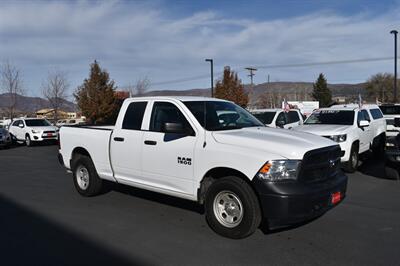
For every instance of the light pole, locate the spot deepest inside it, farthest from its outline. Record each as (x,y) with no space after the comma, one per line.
(394,32)
(212,75)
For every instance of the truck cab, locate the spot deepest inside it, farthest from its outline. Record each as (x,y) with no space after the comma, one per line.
(279,117)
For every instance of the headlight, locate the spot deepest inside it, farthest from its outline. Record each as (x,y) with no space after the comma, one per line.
(339,138)
(279,170)
(35,131)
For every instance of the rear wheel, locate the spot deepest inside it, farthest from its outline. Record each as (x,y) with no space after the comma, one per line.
(232,208)
(85,177)
(352,164)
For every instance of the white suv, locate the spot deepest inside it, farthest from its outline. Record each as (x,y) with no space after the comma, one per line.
(30,130)
(356,129)
(279,118)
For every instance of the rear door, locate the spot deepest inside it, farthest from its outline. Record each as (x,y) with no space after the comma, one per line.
(168,158)
(126,144)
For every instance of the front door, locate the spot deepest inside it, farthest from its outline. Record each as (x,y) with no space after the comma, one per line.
(168,158)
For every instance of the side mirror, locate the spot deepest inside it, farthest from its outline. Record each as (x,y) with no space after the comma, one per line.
(21,125)
(280,123)
(174,128)
(397,122)
(363,123)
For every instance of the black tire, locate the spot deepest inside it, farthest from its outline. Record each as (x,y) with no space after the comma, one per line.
(28,141)
(392,173)
(379,146)
(352,164)
(82,164)
(250,207)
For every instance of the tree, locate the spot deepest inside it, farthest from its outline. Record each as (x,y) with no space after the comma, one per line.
(11,84)
(231,88)
(380,87)
(54,89)
(321,92)
(96,96)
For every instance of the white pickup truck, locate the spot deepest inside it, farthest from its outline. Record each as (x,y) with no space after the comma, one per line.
(279,117)
(213,152)
(356,129)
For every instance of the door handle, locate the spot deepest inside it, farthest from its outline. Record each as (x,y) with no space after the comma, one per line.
(118,139)
(150,142)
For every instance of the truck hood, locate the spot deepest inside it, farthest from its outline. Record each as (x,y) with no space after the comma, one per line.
(323,130)
(283,142)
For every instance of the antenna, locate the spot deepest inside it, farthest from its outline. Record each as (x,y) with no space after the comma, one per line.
(205,124)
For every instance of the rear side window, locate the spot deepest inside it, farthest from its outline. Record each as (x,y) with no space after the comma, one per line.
(281,118)
(376,113)
(134,116)
(293,117)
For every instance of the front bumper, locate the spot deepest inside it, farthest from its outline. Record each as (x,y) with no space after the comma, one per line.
(288,203)
(44,136)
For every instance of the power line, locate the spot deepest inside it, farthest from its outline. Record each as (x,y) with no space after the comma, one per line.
(200,77)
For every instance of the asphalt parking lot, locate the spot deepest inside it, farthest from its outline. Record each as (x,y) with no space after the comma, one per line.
(44,221)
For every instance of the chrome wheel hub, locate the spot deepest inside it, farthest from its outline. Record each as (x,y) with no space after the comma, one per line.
(82,177)
(228,209)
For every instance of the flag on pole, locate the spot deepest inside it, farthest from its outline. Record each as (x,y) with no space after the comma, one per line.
(286,106)
(360,103)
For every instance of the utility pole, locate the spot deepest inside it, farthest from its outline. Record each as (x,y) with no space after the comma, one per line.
(251,75)
(212,75)
(394,32)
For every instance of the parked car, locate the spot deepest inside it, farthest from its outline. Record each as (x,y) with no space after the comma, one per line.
(390,112)
(33,130)
(279,117)
(5,137)
(356,129)
(213,152)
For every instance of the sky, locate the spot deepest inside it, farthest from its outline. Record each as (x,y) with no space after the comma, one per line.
(168,41)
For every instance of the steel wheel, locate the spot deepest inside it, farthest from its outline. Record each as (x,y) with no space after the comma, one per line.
(82,177)
(228,209)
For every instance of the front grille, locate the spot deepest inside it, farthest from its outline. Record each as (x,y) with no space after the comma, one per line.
(49,132)
(320,164)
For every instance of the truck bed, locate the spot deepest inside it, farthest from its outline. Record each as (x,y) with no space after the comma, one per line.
(95,139)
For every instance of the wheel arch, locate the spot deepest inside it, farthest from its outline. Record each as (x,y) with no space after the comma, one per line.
(217,173)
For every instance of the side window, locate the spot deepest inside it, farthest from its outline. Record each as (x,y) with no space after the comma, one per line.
(134,116)
(15,123)
(360,116)
(281,119)
(376,113)
(366,115)
(293,117)
(164,112)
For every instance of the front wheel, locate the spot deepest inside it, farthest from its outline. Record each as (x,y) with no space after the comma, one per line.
(232,208)
(28,141)
(352,164)
(85,177)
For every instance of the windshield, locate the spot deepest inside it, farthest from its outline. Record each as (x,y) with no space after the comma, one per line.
(265,117)
(222,115)
(37,123)
(331,117)
(390,110)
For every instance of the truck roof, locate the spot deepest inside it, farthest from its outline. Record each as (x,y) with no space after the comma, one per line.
(179,98)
